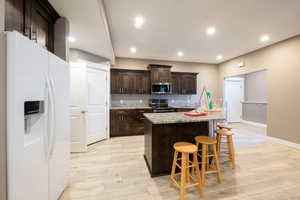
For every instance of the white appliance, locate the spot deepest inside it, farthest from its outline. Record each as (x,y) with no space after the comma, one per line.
(38,144)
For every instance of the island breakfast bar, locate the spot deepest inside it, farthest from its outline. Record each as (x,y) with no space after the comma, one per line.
(162,130)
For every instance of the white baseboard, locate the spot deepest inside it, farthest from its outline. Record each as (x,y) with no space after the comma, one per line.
(254,123)
(283,142)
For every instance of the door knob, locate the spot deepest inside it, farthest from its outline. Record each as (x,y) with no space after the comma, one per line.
(84,111)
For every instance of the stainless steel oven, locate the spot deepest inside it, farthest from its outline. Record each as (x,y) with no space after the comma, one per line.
(161,106)
(161,88)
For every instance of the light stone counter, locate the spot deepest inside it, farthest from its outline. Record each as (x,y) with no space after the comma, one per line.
(179,117)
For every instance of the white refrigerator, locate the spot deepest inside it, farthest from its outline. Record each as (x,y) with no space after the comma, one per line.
(38,120)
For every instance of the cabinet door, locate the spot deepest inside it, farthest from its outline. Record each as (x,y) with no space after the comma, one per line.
(115,83)
(189,84)
(155,75)
(39,23)
(164,75)
(176,84)
(119,124)
(138,83)
(127,83)
(145,83)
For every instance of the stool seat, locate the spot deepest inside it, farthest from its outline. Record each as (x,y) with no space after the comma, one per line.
(224,132)
(185,147)
(205,140)
(222,126)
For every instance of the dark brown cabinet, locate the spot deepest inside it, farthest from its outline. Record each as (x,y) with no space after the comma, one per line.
(184,83)
(160,73)
(127,122)
(125,81)
(33,18)
(184,109)
(130,82)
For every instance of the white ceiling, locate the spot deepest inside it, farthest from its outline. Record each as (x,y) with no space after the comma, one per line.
(87,25)
(180,25)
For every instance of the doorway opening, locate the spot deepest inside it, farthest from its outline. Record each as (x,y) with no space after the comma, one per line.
(245,100)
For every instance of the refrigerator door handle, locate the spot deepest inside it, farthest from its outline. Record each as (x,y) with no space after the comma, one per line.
(53,134)
(50,117)
(47,102)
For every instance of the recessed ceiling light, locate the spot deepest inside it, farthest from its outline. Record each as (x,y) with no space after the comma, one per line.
(132,49)
(211,30)
(180,53)
(219,57)
(72,39)
(139,21)
(264,38)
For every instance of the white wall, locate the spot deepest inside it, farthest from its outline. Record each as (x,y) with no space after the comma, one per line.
(256,86)
(76,55)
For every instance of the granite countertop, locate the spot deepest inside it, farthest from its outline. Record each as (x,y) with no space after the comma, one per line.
(179,117)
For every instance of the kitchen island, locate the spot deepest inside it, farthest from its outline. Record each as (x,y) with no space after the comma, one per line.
(162,130)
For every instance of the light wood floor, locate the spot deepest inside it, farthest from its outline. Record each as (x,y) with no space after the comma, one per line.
(115,170)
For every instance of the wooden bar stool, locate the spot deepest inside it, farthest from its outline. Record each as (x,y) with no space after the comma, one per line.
(205,142)
(186,149)
(221,134)
(225,127)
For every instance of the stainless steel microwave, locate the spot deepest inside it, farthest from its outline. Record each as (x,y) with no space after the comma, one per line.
(161,88)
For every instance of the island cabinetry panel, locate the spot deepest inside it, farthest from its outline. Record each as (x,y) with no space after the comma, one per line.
(184,83)
(127,122)
(184,109)
(130,81)
(159,141)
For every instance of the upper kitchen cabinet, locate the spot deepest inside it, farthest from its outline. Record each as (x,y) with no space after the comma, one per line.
(130,81)
(184,83)
(160,73)
(34,18)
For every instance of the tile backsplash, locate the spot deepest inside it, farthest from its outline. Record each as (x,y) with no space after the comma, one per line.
(143,100)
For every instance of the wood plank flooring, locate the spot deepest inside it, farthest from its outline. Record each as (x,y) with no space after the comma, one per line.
(115,170)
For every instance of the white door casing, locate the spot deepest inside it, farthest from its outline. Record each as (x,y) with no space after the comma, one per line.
(234,95)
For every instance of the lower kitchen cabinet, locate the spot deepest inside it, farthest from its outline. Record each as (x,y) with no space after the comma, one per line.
(127,122)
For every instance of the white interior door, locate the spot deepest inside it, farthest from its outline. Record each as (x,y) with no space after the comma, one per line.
(97,104)
(78,102)
(89,107)
(233,97)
